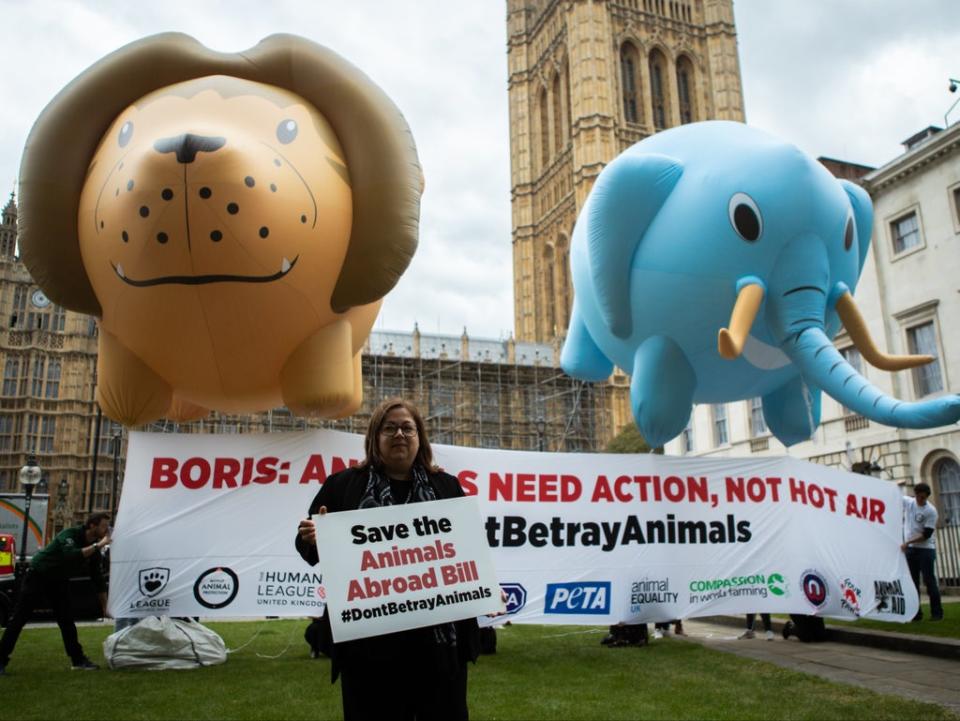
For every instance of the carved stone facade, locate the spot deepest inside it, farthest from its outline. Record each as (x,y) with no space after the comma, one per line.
(586,81)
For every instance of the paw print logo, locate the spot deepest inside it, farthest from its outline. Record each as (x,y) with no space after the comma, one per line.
(153,580)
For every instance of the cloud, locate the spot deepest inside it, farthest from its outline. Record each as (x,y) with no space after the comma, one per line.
(845,78)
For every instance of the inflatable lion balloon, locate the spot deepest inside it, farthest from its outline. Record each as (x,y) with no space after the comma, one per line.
(233,220)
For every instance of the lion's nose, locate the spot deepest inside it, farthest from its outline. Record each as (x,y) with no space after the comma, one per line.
(187,146)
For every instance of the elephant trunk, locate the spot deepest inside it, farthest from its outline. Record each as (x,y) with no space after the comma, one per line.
(822,365)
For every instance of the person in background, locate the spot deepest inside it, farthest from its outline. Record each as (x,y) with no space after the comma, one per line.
(919,524)
(74,552)
(767,626)
(420,673)
(663,629)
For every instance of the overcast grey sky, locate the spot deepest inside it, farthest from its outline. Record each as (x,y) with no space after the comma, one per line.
(848,79)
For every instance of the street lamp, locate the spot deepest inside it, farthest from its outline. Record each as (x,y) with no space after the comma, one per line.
(116,474)
(29,478)
(952,87)
(541,426)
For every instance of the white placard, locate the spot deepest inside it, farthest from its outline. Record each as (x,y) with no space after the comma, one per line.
(398,567)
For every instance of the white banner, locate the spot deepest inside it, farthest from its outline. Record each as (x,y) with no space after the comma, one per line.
(398,567)
(206,527)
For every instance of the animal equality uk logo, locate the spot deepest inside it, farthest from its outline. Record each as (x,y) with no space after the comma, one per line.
(580,598)
(153,580)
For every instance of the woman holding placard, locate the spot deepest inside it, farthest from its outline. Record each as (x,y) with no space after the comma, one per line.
(415,674)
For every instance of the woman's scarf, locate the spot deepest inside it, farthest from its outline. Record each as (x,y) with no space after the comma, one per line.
(378,493)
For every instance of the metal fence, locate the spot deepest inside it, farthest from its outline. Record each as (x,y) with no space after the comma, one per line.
(948,555)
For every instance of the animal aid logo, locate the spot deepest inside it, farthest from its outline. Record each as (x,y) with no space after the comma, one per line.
(850,595)
(890,598)
(216,587)
(814,588)
(516,596)
(587,597)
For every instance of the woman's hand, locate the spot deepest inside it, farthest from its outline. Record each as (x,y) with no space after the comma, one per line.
(308,529)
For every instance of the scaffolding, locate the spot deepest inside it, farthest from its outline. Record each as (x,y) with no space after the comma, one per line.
(481,394)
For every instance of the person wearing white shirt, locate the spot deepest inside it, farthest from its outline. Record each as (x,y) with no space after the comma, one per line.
(919,524)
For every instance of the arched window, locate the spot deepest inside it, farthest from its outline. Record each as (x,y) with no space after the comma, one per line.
(630,82)
(946,477)
(558,133)
(563,281)
(544,130)
(686,91)
(658,90)
(566,97)
(549,290)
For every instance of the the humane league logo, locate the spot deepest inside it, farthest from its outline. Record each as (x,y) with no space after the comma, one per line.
(151,582)
(302,589)
(814,588)
(216,587)
(650,591)
(590,597)
(850,595)
(516,596)
(889,595)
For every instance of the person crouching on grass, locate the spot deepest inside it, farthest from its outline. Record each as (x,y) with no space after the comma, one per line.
(419,673)
(74,552)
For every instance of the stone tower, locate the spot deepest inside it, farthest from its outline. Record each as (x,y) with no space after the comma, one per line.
(587,79)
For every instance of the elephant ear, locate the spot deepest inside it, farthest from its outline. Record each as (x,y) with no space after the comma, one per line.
(862,217)
(627,196)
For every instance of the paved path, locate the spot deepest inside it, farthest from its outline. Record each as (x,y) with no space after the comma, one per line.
(909,675)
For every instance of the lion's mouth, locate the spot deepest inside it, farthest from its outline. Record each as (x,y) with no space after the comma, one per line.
(285,267)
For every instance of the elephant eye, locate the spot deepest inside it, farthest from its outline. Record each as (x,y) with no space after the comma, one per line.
(126,132)
(287,131)
(745,217)
(848,235)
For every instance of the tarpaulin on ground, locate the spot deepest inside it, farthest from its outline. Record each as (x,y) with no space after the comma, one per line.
(207,523)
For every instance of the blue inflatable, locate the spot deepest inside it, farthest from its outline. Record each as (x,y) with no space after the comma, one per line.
(714,263)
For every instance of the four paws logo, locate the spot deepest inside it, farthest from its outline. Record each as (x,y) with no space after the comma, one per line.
(153,580)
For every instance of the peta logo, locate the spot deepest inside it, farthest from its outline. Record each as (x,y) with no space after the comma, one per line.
(153,580)
(588,597)
(516,596)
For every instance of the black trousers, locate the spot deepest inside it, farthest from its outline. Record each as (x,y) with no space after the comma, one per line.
(403,693)
(921,562)
(37,587)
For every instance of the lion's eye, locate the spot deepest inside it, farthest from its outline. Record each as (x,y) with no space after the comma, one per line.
(126,132)
(287,130)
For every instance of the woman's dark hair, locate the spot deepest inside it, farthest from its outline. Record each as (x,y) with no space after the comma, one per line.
(94,519)
(371,443)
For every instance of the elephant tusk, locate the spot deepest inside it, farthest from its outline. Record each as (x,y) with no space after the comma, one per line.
(857,328)
(730,342)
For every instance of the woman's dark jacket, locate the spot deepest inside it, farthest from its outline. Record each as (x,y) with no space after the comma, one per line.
(342,492)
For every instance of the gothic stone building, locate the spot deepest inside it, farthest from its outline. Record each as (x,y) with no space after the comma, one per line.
(586,81)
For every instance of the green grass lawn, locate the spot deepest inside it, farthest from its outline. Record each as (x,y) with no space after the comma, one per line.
(539,672)
(949,627)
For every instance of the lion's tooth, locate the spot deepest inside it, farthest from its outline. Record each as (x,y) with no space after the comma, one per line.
(120,271)
(285,266)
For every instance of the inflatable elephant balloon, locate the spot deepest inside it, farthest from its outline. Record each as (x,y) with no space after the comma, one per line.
(233,220)
(714,263)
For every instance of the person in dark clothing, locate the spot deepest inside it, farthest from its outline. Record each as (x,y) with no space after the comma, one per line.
(74,552)
(420,673)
